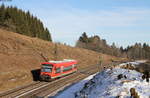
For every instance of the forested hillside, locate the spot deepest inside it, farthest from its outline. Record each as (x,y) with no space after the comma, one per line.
(14,19)
(95,43)
(137,51)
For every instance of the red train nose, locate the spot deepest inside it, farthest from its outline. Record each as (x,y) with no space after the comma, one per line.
(45,77)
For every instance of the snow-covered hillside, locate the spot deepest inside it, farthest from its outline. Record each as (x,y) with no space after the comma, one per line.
(110,83)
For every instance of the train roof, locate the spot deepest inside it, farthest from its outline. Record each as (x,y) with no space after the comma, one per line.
(63,61)
(58,62)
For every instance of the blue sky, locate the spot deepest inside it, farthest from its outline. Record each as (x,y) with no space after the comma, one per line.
(124,22)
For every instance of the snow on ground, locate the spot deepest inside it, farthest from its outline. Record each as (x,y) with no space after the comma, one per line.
(107,85)
(69,93)
(132,63)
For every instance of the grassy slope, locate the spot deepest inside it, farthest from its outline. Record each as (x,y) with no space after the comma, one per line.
(20,54)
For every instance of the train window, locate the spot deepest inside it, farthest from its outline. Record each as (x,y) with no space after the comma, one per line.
(58,70)
(46,68)
(47,65)
(67,68)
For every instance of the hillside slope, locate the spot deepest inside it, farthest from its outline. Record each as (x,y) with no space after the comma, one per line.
(19,55)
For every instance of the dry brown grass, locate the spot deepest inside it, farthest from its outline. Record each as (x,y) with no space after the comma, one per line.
(20,54)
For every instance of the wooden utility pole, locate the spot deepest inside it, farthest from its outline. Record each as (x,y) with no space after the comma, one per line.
(100,62)
(56,52)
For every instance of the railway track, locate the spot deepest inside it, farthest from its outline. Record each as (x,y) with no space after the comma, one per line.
(43,89)
(54,86)
(14,92)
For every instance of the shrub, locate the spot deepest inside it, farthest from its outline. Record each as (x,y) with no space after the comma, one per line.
(120,76)
(143,77)
(147,79)
(146,76)
(125,76)
(134,94)
(132,91)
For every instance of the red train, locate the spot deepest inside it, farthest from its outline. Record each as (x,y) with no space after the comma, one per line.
(55,69)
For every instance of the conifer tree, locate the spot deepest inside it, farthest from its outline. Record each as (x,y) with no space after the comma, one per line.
(22,22)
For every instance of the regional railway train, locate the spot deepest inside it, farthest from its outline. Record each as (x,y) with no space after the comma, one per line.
(55,69)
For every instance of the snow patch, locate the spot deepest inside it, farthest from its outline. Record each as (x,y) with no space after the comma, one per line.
(109,86)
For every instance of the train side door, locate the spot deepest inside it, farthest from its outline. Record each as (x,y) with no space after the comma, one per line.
(73,66)
(62,68)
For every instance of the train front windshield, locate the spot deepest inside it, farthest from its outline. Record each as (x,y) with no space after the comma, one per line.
(47,67)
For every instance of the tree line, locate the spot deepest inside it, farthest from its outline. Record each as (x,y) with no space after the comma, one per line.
(137,51)
(19,21)
(95,43)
